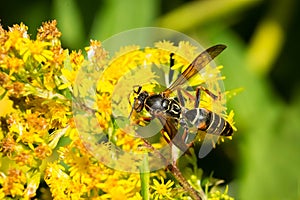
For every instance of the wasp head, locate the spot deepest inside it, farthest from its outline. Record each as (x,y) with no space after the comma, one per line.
(139,101)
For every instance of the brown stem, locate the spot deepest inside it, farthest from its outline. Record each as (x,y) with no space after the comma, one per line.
(177,174)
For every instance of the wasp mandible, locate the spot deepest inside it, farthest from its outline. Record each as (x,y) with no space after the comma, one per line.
(171,111)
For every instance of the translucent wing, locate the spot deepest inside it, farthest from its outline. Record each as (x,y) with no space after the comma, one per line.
(199,63)
(171,128)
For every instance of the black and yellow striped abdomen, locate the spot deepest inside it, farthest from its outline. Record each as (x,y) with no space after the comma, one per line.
(208,121)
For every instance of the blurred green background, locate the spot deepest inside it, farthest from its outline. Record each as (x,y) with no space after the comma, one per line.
(262,161)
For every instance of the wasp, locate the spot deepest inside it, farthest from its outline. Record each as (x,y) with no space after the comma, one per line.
(172,111)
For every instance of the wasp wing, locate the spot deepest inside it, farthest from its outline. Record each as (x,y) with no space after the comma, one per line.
(199,63)
(170,125)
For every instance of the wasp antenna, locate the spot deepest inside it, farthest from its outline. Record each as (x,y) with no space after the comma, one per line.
(130,113)
(132,108)
(139,88)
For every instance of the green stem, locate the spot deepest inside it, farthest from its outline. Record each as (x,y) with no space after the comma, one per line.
(145,179)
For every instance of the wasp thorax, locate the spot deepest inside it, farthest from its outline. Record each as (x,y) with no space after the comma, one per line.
(154,103)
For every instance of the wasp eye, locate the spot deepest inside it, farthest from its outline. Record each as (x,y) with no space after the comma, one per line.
(138,105)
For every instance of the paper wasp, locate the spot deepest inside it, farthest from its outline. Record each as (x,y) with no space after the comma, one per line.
(171,111)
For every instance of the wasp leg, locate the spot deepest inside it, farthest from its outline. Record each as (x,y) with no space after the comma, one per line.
(143,119)
(132,105)
(198,90)
(197,101)
(185,130)
(195,98)
(169,77)
(180,98)
(185,135)
(186,93)
(171,72)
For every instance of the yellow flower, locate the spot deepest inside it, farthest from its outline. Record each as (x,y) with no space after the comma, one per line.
(42,151)
(36,121)
(57,114)
(96,54)
(166,45)
(230,120)
(12,63)
(15,88)
(59,56)
(13,183)
(57,180)
(24,158)
(49,81)
(71,69)
(8,145)
(2,193)
(4,79)
(54,172)
(3,36)
(16,36)
(48,31)
(79,165)
(104,104)
(36,49)
(120,185)
(125,50)
(128,142)
(29,138)
(76,59)
(162,190)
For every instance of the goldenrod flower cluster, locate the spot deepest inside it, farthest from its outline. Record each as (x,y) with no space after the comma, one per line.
(42,154)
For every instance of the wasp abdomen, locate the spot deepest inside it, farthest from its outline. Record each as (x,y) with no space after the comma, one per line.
(208,121)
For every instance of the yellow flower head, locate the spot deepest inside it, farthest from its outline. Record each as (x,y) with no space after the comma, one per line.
(161,189)
(49,32)
(13,184)
(37,50)
(15,36)
(96,54)
(8,145)
(13,64)
(3,36)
